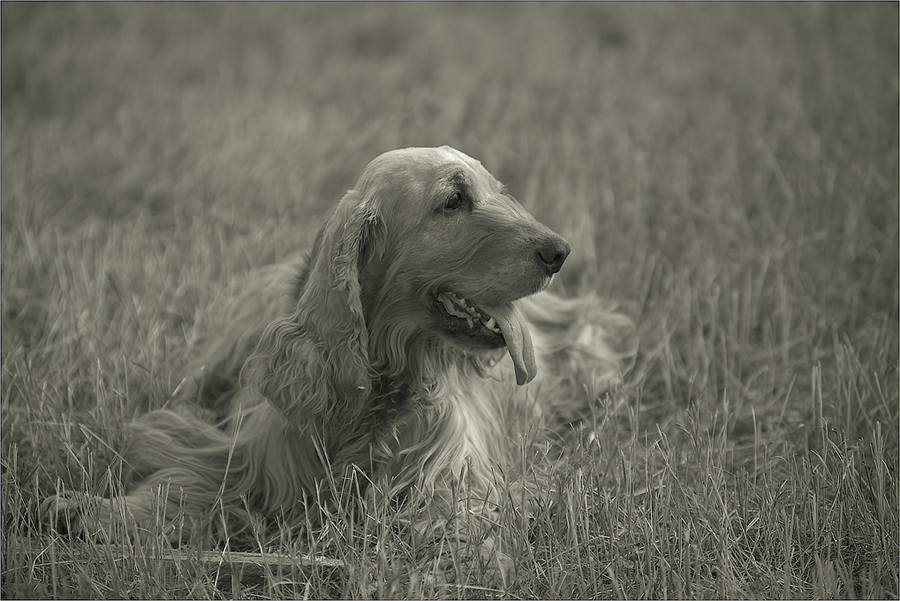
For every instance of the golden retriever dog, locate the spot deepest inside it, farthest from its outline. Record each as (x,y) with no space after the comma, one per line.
(392,356)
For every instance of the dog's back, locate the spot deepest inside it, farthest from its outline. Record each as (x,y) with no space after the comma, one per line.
(230,335)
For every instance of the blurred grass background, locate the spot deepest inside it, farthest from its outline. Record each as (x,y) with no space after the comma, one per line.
(728,171)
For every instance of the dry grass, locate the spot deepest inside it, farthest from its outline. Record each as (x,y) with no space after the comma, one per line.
(730,172)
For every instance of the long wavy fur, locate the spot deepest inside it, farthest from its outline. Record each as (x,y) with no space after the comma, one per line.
(341,364)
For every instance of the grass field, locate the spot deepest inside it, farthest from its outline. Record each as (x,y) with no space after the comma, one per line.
(729,172)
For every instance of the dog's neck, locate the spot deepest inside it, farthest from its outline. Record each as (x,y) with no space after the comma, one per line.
(390,393)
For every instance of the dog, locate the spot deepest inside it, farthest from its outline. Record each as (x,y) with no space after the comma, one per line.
(394,351)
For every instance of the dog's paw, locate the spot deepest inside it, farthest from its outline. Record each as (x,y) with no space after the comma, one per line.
(75,514)
(499,568)
(483,564)
(92,518)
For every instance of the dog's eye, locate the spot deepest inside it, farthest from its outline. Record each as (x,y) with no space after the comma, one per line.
(453,202)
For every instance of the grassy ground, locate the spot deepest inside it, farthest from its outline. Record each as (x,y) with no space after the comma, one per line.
(729,172)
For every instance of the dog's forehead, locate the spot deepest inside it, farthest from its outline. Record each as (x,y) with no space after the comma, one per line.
(414,174)
(451,154)
(436,164)
(458,167)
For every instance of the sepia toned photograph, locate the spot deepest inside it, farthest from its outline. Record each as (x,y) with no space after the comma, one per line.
(426,300)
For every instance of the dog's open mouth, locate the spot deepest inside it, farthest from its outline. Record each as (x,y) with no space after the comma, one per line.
(462,309)
(492,326)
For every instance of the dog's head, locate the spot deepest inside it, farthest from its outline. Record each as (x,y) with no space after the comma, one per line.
(428,243)
(452,251)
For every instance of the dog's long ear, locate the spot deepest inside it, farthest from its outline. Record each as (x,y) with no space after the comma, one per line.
(313,364)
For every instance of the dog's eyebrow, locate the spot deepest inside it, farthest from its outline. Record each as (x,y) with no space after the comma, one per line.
(459,179)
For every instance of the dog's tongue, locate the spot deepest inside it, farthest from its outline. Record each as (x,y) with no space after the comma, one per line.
(518,340)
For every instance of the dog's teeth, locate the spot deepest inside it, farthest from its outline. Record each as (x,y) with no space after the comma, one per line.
(460,307)
(448,304)
(456,307)
(464,305)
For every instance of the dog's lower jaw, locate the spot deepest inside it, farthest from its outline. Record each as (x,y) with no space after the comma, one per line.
(463,324)
(485,327)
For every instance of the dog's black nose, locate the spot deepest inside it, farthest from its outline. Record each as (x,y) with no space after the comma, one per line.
(553,254)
